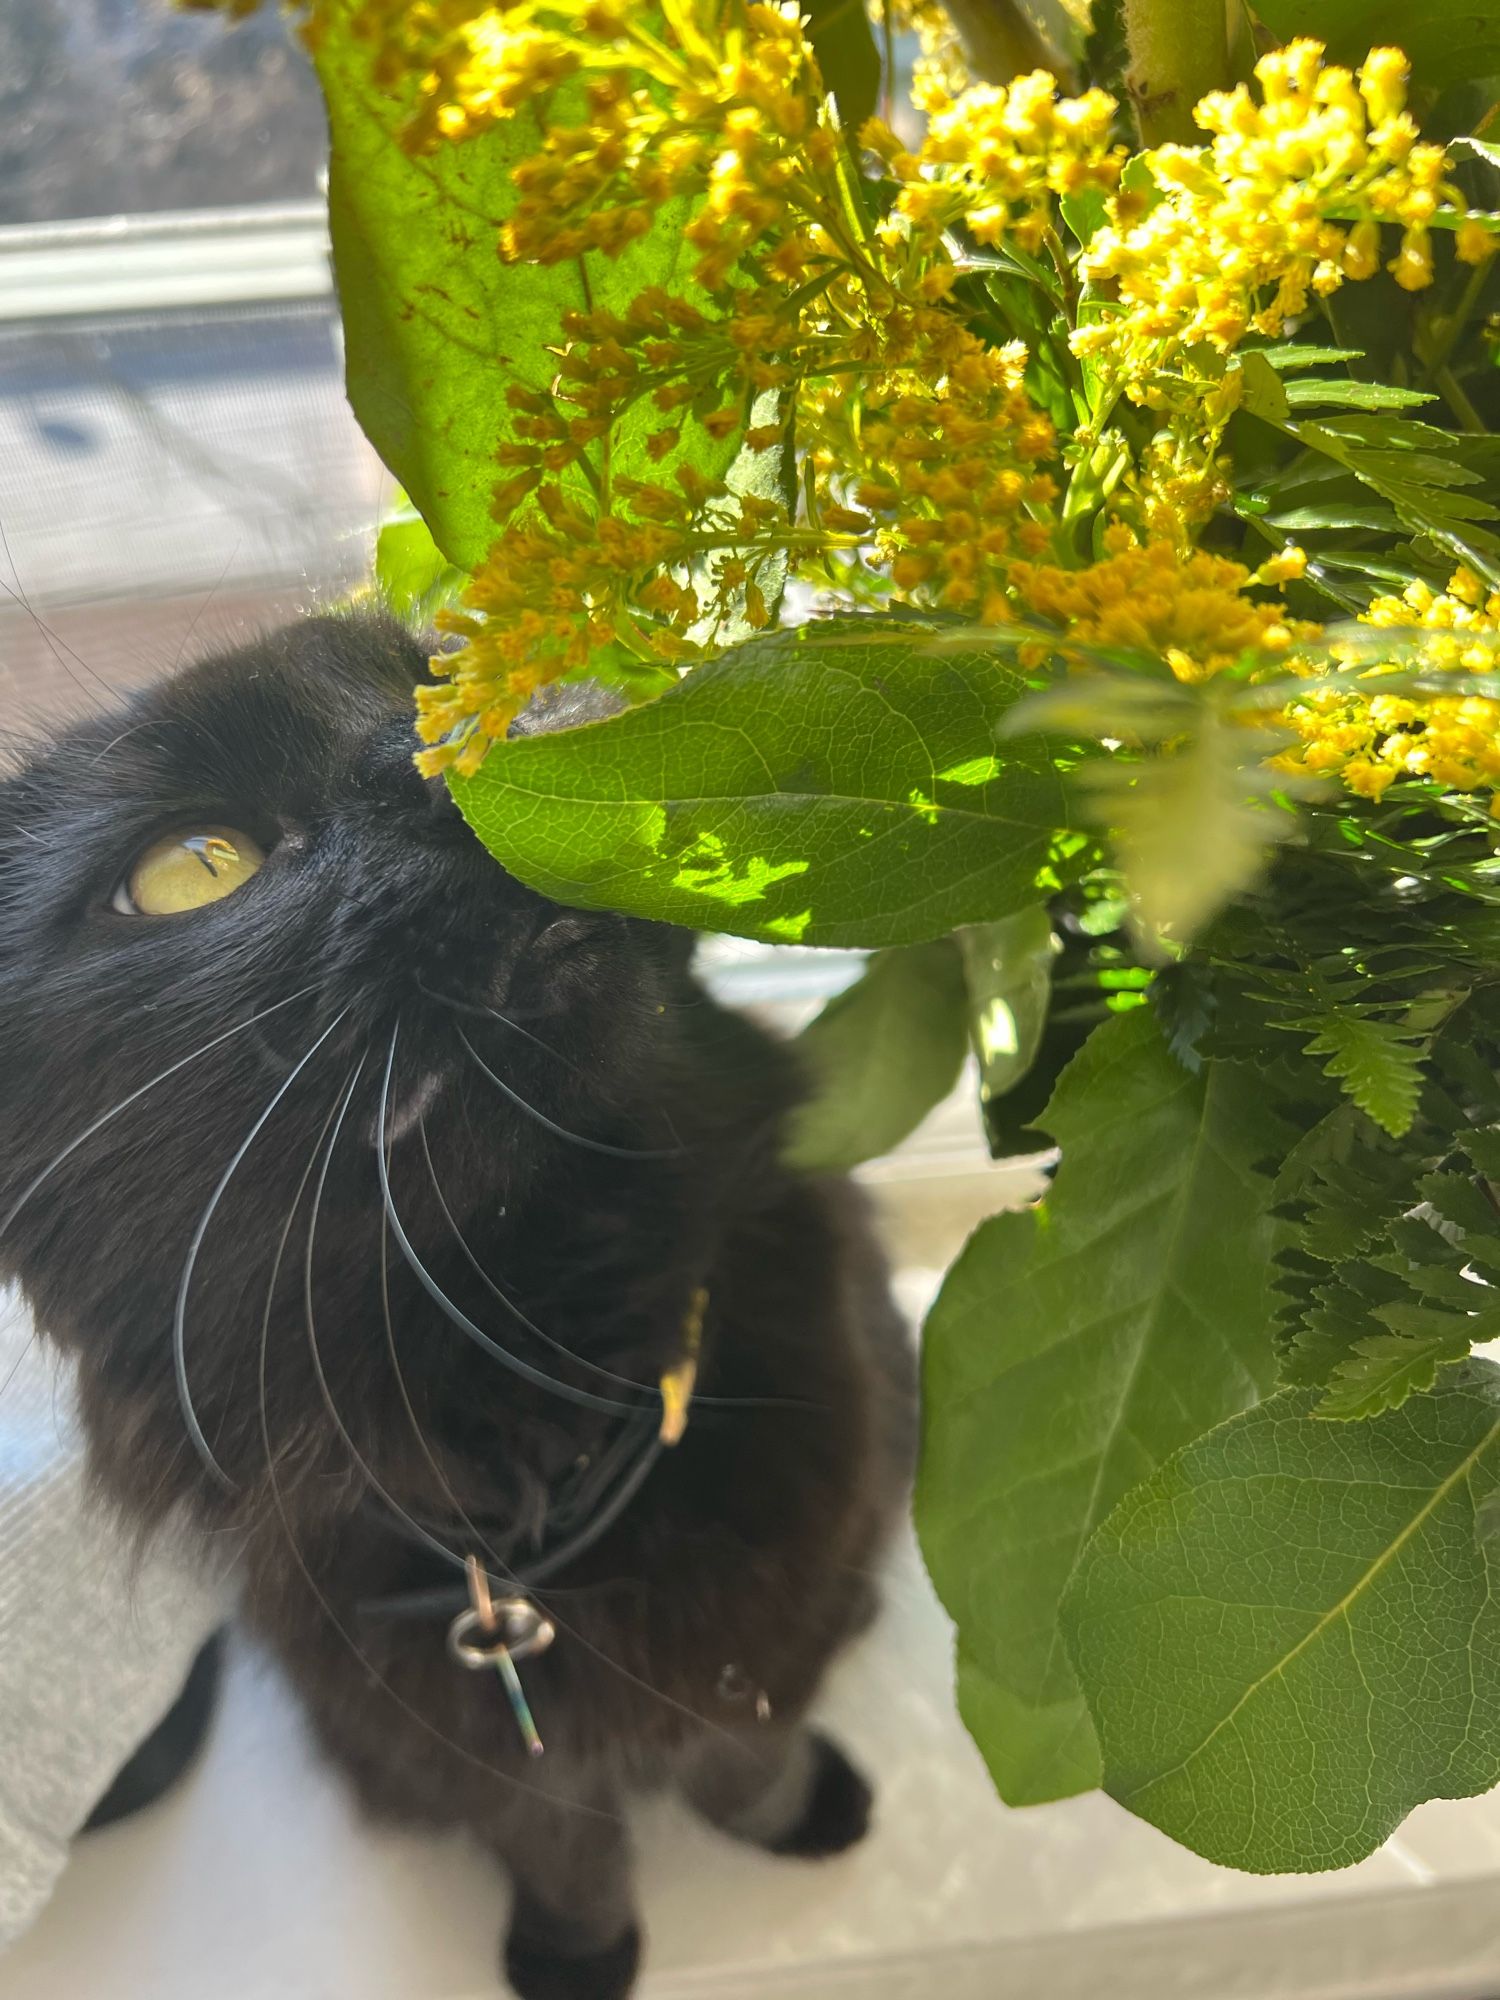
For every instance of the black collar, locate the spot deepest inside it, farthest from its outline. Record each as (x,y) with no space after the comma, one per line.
(580,1513)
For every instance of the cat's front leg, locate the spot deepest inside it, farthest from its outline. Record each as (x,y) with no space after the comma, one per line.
(574,1933)
(786,1788)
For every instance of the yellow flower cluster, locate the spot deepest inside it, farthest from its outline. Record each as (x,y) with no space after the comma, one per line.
(994,157)
(929,472)
(1190,610)
(1287,200)
(1368,740)
(926,462)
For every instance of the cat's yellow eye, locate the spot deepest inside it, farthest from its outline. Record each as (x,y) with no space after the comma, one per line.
(186,870)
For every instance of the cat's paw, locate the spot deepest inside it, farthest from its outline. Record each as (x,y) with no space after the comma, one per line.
(837,1812)
(541,1972)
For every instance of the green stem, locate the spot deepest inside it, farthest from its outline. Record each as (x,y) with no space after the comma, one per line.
(1179,51)
(1001,42)
(1446,384)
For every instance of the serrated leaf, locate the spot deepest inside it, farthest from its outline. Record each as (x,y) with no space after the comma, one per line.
(1380,1071)
(1071,1349)
(1291,355)
(1325,1143)
(837,783)
(1421,471)
(880,1056)
(1290,1633)
(1381,1371)
(1008,972)
(1345,395)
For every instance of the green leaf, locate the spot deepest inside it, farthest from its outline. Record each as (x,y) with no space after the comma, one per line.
(1380,1071)
(1448,41)
(1264,393)
(1072,1349)
(837,783)
(1422,472)
(1380,1372)
(411,572)
(436,326)
(1292,354)
(1337,514)
(1314,390)
(1188,832)
(1290,1633)
(881,1055)
(1489,154)
(844,44)
(1008,972)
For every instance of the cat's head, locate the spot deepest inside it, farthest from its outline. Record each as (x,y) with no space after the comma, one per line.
(234,907)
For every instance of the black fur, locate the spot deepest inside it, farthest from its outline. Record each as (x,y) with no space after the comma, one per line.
(694,1633)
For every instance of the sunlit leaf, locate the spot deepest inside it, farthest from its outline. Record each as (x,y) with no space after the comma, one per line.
(838,783)
(1290,1633)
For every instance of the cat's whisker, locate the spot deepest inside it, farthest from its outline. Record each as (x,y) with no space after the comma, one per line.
(15,1368)
(179,1317)
(135,1096)
(649,1390)
(562,1131)
(319,1596)
(538,1378)
(483,1013)
(480,1541)
(493,1559)
(646,1389)
(362,1464)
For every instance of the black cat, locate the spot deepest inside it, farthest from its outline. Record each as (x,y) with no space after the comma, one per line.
(376,1196)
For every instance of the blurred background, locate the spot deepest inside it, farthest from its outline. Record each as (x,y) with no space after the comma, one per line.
(177,460)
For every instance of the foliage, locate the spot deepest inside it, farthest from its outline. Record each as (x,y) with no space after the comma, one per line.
(1067,566)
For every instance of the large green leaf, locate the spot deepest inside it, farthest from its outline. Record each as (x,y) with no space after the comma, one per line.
(1290,1635)
(1447,40)
(881,1055)
(1070,1351)
(436,326)
(840,783)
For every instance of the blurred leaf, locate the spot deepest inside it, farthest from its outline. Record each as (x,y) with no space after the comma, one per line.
(844,44)
(835,783)
(1337,514)
(1290,1633)
(881,1055)
(1189,829)
(1008,970)
(411,572)
(1073,1348)
(1447,40)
